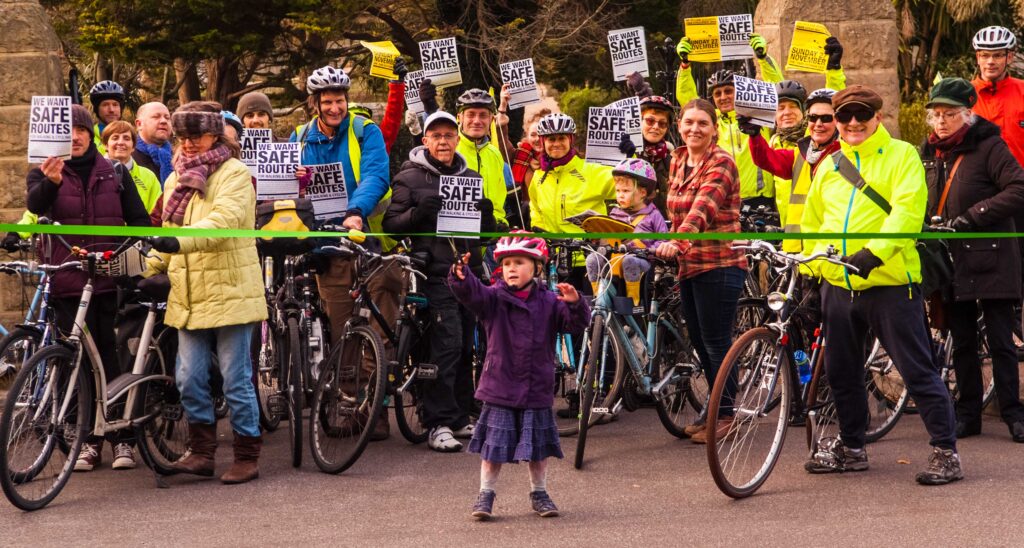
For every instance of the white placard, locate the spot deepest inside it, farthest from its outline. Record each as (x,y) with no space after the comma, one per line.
(412,91)
(275,171)
(756,99)
(327,190)
(440,61)
(460,211)
(250,140)
(130,262)
(522,82)
(734,36)
(628,48)
(631,105)
(605,127)
(49,128)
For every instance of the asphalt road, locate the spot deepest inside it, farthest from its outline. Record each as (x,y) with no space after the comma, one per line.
(640,487)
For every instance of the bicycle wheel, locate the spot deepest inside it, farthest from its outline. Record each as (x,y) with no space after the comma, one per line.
(294,391)
(822,420)
(37,449)
(15,349)
(681,402)
(408,401)
(567,387)
(163,439)
(887,394)
(348,401)
(603,356)
(266,374)
(742,456)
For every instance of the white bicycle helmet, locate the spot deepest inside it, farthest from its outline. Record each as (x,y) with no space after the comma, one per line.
(327,77)
(994,38)
(823,95)
(556,124)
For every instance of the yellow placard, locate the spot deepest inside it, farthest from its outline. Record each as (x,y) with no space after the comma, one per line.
(384,55)
(807,52)
(703,35)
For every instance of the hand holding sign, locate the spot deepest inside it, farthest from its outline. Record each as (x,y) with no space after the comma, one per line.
(807,52)
(521,82)
(49,128)
(441,62)
(723,38)
(52,167)
(384,56)
(756,99)
(628,49)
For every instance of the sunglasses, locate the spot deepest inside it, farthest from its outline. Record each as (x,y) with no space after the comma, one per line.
(861,114)
(651,121)
(823,118)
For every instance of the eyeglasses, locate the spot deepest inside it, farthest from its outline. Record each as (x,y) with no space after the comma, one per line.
(442,136)
(989,55)
(194,139)
(652,121)
(948,115)
(861,114)
(823,118)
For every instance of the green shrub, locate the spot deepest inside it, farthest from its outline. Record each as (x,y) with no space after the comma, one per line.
(913,125)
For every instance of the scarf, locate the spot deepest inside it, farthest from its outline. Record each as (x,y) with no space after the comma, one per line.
(793,134)
(547,164)
(521,162)
(654,153)
(82,165)
(192,174)
(944,145)
(162,157)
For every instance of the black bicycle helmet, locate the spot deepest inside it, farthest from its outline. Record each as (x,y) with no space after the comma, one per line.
(792,90)
(107,89)
(721,78)
(476,98)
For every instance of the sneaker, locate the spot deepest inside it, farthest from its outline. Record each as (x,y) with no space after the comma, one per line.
(833,456)
(943,468)
(442,440)
(465,433)
(89,458)
(542,504)
(483,509)
(124,457)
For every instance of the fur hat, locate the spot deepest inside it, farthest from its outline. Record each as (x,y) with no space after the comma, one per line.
(254,101)
(198,118)
(80,117)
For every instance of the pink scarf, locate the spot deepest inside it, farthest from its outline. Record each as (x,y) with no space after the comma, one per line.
(192,174)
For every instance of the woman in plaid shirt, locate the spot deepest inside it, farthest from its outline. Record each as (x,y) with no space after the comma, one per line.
(704,196)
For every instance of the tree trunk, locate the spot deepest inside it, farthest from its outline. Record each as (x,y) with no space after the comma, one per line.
(222,80)
(187,81)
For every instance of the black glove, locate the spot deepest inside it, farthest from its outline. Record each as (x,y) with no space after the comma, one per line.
(400,69)
(127,282)
(747,126)
(834,50)
(962,224)
(165,244)
(865,261)
(11,242)
(635,82)
(425,213)
(626,145)
(486,207)
(428,95)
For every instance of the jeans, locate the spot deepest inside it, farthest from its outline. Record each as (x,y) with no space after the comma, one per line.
(999,321)
(232,345)
(709,308)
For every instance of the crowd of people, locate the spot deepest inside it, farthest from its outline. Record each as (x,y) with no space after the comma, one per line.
(829,167)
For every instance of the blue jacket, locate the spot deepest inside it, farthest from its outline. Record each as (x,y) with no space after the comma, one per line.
(373,183)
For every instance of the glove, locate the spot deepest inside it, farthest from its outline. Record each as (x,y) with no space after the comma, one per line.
(486,207)
(635,82)
(834,50)
(759,45)
(400,69)
(10,242)
(626,145)
(425,213)
(127,282)
(428,94)
(962,224)
(865,261)
(165,244)
(683,49)
(747,126)
(487,221)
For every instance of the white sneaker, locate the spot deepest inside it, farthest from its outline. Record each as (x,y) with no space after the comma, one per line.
(465,432)
(124,457)
(88,458)
(443,440)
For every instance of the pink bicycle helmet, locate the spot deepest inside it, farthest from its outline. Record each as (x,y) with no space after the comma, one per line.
(523,246)
(641,171)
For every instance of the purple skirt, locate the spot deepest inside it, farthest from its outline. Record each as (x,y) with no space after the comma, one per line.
(504,434)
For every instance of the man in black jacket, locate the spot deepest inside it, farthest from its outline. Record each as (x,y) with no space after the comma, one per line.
(415,204)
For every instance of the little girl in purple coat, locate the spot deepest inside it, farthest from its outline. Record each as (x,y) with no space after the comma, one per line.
(517,384)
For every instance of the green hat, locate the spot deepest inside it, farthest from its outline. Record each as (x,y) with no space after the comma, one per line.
(954,92)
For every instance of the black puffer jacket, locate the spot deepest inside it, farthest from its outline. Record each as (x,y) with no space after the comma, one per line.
(988,190)
(418,179)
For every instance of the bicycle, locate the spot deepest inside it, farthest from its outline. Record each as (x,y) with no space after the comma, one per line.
(567,372)
(19,343)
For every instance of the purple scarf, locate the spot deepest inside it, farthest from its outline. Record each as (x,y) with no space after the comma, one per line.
(192,173)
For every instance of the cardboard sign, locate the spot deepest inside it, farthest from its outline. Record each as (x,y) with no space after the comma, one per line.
(756,99)
(522,82)
(631,106)
(250,141)
(412,91)
(722,38)
(807,52)
(49,128)
(460,211)
(384,56)
(605,127)
(440,62)
(628,48)
(275,171)
(327,190)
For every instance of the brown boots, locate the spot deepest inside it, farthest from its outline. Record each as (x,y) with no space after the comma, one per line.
(247,453)
(203,445)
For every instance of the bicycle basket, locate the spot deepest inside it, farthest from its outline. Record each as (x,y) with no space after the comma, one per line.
(293,215)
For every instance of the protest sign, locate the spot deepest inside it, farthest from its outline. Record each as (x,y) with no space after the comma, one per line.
(631,106)
(807,52)
(628,48)
(722,38)
(756,99)
(384,55)
(275,171)
(250,141)
(522,82)
(703,35)
(412,91)
(49,128)
(327,190)
(130,262)
(605,127)
(460,199)
(440,62)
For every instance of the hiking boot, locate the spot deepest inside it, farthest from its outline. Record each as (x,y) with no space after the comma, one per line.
(694,428)
(382,430)
(202,443)
(943,468)
(247,455)
(833,456)
(464,433)
(484,507)
(124,457)
(573,411)
(967,428)
(442,440)
(721,431)
(542,504)
(1017,431)
(90,457)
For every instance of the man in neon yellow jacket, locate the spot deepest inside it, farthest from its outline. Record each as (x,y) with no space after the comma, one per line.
(874,184)
(476,112)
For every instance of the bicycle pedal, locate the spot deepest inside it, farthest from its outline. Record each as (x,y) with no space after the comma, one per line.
(426,371)
(172,413)
(600,410)
(277,405)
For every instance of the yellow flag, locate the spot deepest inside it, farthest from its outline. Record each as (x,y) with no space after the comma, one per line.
(807,52)
(704,36)
(384,55)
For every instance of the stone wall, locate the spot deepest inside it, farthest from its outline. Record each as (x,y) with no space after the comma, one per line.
(867,30)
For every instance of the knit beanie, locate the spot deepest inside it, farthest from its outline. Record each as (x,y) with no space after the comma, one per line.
(80,117)
(254,101)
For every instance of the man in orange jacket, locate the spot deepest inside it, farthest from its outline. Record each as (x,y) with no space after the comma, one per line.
(1000,96)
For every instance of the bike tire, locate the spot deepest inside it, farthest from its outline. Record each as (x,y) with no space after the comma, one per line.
(266,374)
(767,389)
(407,403)
(887,394)
(15,350)
(672,408)
(600,345)
(822,424)
(336,447)
(294,391)
(163,439)
(33,485)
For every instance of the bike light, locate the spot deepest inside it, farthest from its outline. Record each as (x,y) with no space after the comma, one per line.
(776,300)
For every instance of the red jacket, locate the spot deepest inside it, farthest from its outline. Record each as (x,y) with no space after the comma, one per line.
(394,113)
(1002,103)
(779,161)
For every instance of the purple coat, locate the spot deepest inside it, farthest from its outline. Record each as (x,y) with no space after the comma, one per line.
(653,221)
(519,369)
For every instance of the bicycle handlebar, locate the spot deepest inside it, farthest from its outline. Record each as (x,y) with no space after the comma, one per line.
(829,255)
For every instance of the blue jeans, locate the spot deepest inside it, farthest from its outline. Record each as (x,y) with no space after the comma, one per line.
(195,350)
(709,308)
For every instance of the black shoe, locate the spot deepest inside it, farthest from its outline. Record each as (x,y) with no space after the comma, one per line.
(573,411)
(968,428)
(1017,431)
(943,468)
(833,456)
